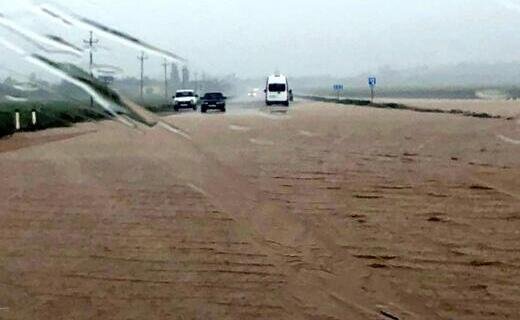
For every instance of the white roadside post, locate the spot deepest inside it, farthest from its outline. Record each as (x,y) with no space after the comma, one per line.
(33,118)
(17,120)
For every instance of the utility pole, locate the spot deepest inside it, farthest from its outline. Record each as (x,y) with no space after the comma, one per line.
(203,83)
(185,77)
(165,65)
(174,77)
(196,81)
(141,58)
(90,43)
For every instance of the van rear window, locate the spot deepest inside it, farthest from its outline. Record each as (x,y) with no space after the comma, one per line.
(277,87)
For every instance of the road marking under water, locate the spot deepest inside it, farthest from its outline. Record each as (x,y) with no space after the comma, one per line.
(508,140)
(307,133)
(261,142)
(238,128)
(197,189)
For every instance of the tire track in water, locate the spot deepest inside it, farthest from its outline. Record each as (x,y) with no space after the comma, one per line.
(270,227)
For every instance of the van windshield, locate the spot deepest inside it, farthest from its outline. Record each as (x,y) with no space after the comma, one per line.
(277,87)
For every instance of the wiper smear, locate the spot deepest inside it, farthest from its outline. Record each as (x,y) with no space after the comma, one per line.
(106,69)
(113,34)
(26,87)
(56,16)
(15,99)
(38,40)
(109,100)
(104,96)
(11,46)
(66,73)
(151,119)
(65,43)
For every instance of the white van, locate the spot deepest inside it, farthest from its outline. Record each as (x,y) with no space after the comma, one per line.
(277,90)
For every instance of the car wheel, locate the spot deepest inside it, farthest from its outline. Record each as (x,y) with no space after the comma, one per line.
(176,109)
(223,109)
(203,110)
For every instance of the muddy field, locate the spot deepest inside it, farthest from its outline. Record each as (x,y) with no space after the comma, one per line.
(325,212)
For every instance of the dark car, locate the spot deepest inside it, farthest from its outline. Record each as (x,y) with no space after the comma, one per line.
(213,100)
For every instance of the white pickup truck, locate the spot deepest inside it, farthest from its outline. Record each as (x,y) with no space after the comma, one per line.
(185,99)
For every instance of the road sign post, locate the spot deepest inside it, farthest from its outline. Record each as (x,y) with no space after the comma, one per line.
(338,88)
(372,82)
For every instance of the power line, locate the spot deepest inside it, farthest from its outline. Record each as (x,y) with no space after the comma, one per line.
(142,58)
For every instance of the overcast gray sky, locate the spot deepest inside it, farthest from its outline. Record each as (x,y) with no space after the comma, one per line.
(299,37)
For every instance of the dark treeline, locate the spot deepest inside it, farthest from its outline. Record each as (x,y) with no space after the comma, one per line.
(153,88)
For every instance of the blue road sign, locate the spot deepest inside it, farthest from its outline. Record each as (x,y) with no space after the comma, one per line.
(372,81)
(338,87)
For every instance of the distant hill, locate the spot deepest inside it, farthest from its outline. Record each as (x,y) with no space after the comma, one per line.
(460,75)
(496,75)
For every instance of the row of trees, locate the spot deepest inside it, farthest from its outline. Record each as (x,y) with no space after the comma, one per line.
(176,80)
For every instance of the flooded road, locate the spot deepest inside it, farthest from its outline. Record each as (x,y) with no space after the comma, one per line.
(327,212)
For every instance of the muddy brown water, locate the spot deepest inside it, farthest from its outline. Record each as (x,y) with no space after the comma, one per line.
(369,214)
